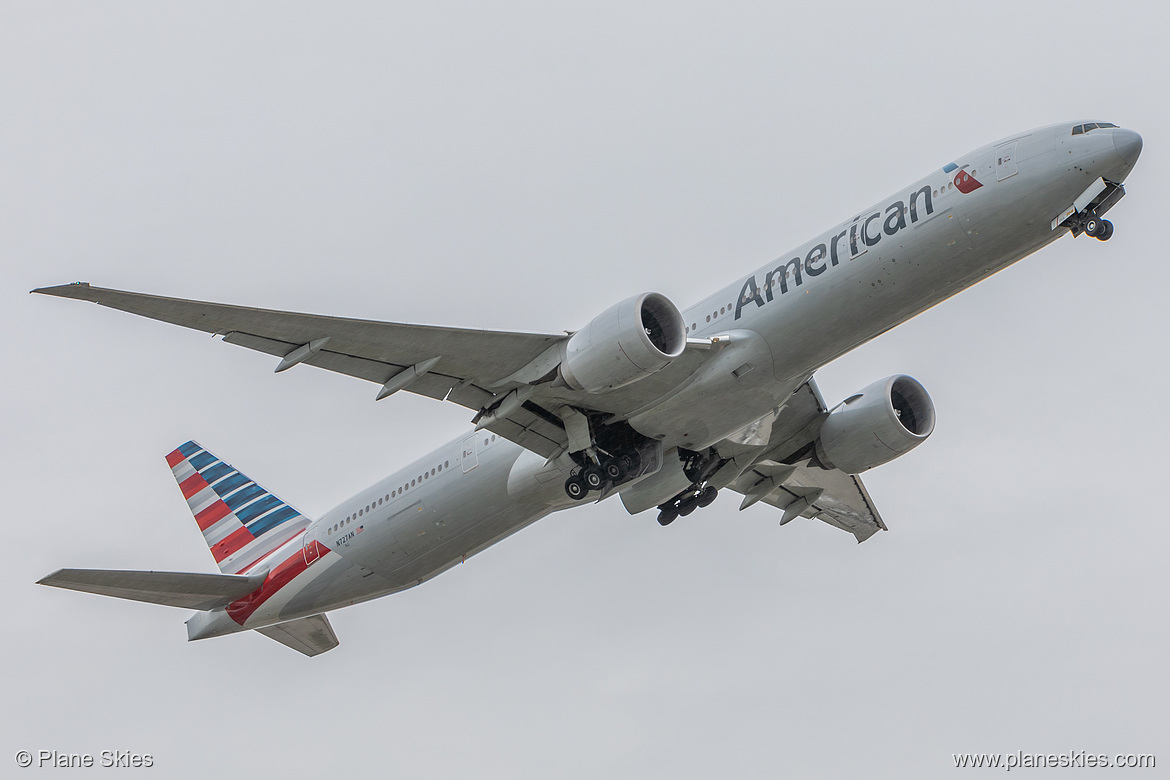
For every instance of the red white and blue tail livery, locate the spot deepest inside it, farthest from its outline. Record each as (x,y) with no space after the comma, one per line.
(241,522)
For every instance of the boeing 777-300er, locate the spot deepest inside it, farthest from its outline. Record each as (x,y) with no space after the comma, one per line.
(660,406)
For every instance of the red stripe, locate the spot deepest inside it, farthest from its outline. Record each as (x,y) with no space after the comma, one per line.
(233,543)
(212,515)
(244,569)
(192,485)
(175,458)
(284,573)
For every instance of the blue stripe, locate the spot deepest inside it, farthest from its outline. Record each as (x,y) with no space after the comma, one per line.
(202,459)
(217,472)
(949,167)
(270,521)
(243,496)
(230,484)
(189,449)
(254,510)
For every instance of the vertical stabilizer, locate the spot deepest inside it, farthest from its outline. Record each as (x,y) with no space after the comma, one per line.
(241,521)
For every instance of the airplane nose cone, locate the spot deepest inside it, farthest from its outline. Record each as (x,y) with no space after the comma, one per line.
(1128,145)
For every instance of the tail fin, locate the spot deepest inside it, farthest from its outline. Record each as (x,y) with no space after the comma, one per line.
(241,521)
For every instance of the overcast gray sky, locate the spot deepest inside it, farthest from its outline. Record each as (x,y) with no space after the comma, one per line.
(523,166)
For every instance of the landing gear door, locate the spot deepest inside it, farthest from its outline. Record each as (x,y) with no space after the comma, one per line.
(1005,161)
(469,458)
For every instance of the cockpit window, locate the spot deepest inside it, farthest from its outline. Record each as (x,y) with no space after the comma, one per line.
(1081,129)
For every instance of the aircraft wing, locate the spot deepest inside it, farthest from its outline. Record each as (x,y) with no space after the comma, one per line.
(780,473)
(454,364)
(473,368)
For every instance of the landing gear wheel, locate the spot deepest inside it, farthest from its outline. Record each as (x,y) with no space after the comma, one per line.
(594,478)
(687,505)
(1093,227)
(631,461)
(1106,230)
(575,488)
(706,496)
(615,469)
(667,516)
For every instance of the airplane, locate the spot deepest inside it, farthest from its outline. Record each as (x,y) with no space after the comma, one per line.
(660,406)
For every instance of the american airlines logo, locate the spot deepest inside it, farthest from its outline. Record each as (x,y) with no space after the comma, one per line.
(852,241)
(964,181)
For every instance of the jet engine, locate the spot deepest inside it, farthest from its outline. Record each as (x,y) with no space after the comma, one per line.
(887,419)
(623,344)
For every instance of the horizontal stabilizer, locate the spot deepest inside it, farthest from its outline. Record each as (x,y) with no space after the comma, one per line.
(172,589)
(311,635)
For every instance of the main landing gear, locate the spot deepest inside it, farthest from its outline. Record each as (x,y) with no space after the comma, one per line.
(684,504)
(1100,229)
(596,476)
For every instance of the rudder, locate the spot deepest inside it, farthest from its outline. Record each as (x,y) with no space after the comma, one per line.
(240,521)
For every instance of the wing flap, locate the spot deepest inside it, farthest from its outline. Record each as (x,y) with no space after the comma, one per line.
(173,589)
(531,432)
(841,500)
(311,636)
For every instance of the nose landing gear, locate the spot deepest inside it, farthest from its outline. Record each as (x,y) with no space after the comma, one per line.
(1100,229)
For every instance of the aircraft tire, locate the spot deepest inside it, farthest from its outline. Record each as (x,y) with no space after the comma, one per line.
(667,516)
(615,469)
(594,478)
(687,505)
(1106,230)
(1093,227)
(575,488)
(706,496)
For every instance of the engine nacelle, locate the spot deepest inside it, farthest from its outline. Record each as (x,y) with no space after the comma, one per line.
(887,419)
(623,344)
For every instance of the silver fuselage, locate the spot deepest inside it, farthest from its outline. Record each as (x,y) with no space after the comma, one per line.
(837,291)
